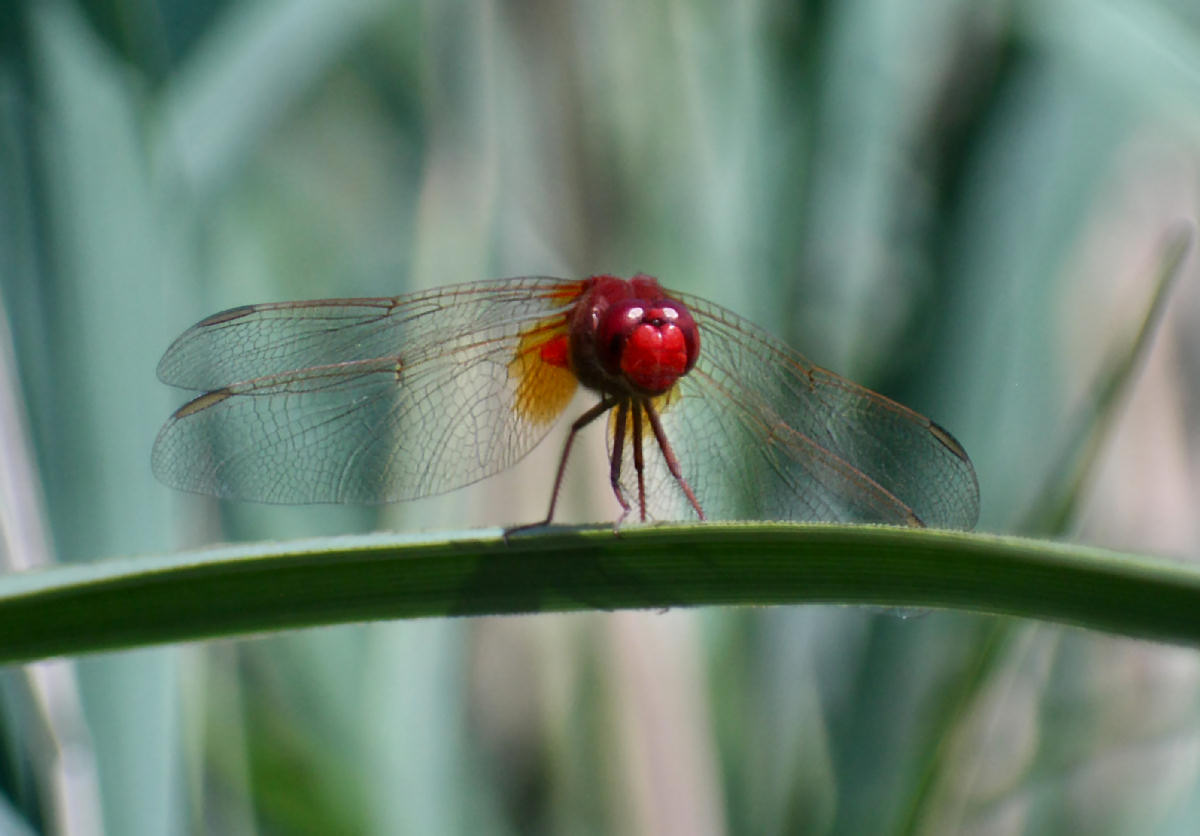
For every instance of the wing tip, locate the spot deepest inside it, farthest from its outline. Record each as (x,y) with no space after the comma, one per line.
(948,441)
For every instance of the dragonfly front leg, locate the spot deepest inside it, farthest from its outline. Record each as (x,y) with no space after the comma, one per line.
(669,455)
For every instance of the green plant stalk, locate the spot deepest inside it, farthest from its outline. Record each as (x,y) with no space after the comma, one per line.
(240,590)
(1056,503)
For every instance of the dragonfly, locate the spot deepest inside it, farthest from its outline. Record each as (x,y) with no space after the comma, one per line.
(387,399)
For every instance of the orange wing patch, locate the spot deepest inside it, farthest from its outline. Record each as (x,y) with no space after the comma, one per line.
(542,369)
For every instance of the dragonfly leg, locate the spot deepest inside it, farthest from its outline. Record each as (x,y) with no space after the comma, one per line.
(582,421)
(669,455)
(639,461)
(618,449)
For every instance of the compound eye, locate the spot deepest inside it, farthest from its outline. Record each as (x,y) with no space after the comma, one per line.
(648,345)
(616,324)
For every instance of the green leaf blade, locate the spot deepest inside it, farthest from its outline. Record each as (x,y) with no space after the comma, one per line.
(236,591)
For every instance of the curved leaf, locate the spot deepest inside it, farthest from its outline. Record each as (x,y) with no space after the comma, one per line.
(236,590)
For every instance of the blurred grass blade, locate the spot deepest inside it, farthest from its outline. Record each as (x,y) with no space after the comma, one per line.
(250,71)
(51,704)
(246,589)
(994,641)
(1056,502)
(107,228)
(1051,512)
(11,821)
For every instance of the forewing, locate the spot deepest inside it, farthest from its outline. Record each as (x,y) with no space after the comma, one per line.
(455,398)
(254,341)
(760,433)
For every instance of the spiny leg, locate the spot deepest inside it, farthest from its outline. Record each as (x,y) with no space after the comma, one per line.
(618,449)
(669,455)
(639,461)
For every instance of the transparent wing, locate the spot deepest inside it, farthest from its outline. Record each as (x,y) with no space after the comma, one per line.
(760,433)
(259,340)
(365,400)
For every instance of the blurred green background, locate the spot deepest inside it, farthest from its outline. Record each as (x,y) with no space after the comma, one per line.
(960,204)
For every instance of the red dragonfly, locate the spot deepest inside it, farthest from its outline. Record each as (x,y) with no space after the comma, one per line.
(379,400)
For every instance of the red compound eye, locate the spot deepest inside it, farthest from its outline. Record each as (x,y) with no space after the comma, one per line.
(648,344)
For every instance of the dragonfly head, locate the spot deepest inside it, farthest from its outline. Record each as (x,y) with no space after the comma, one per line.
(649,344)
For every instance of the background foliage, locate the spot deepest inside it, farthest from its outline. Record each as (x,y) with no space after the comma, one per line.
(958,203)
